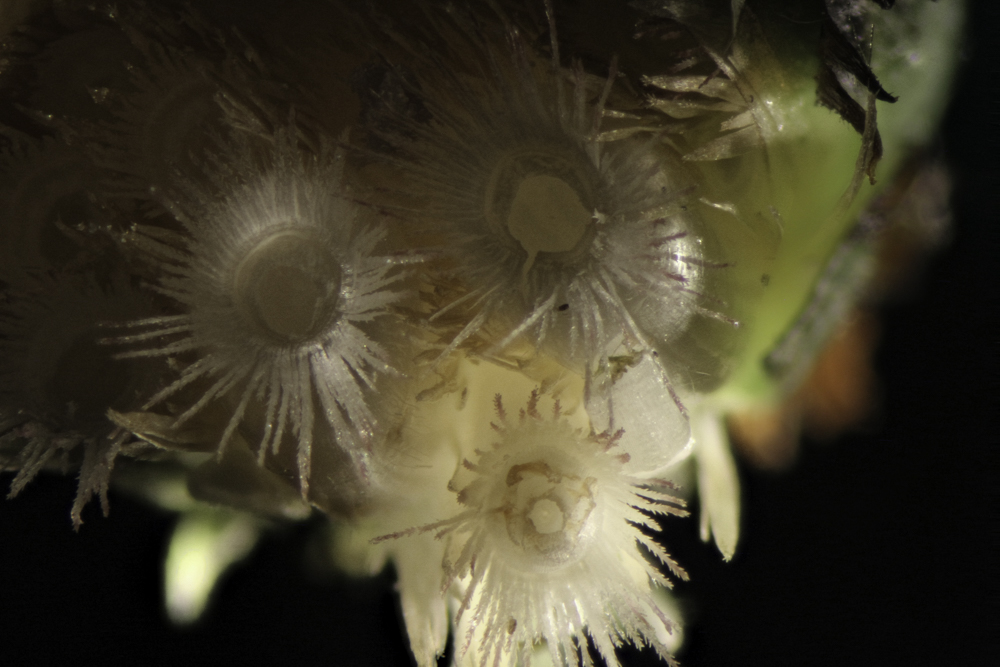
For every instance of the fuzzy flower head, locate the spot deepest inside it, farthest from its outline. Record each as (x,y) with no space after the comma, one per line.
(57,382)
(551,545)
(160,126)
(554,228)
(277,282)
(44,198)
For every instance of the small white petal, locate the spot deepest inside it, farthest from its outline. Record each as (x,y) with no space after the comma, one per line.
(718,482)
(204,544)
(424,611)
(640,401)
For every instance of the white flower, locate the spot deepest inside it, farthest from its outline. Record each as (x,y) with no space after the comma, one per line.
(278,281)
(550,544)
(556,230)
(550,539)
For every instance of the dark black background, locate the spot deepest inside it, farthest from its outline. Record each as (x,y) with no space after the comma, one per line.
(876,549)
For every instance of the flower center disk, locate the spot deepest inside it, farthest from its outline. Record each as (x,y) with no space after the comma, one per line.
(547,512)
(287,286)
(543,202)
